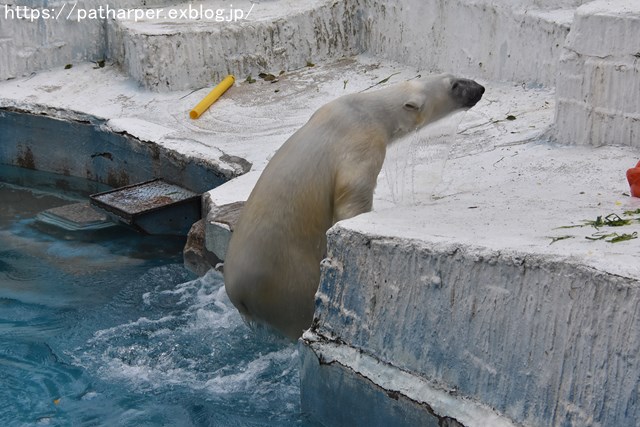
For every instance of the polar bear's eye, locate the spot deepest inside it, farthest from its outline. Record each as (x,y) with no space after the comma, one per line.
(411,106)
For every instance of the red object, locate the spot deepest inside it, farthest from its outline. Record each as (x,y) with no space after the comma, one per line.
(633,176)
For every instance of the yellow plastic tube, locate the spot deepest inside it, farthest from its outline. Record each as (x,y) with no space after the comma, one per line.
(212,97)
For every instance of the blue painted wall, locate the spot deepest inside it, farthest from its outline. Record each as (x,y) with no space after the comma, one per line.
(86,149)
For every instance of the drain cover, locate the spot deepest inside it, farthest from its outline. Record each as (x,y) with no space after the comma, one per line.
(155,207)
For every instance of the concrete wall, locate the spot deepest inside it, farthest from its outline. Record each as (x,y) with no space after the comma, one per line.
(598,87)
(494,40)
(515,41)
(543,340)
(168,56)
(83,146)
(519,41)
(31,41)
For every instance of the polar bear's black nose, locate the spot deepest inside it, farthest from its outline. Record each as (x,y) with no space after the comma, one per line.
(466,92)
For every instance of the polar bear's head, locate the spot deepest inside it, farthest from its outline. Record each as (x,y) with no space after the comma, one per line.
(432,98)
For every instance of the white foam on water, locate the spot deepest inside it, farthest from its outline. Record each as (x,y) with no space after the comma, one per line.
(250,375)
(117,331)
(194,338)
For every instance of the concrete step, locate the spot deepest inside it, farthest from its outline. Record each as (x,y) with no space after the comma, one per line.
(194,51)
(208,39)
(213,38)
(36,36)
(599,76)
(75,217)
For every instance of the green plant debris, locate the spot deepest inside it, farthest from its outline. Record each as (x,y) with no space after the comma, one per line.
(310,64)
(381,82)
(250,79)
(557,239)
(344,84)
(600,236)
(613,237)
(623,237)
(611,220)
(511,117)
(68,66)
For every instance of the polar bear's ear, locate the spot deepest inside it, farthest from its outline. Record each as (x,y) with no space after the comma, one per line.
(414,103)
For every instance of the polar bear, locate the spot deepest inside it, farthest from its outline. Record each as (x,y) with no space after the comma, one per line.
(325,172)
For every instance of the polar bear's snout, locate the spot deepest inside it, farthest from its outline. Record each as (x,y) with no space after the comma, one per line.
(466,92)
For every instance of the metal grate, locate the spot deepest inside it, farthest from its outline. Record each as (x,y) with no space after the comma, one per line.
(154,206)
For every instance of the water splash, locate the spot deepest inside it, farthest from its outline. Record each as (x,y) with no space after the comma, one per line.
(415,166)
(192,342)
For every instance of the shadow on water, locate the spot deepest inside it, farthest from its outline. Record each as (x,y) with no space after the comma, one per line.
(108,328)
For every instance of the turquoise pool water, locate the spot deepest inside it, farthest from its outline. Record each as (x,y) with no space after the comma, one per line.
(108,328)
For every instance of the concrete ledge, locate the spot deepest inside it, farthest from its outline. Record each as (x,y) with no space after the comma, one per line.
(48,34)
(542,339)
(229,195)
(181,54)
(221,222)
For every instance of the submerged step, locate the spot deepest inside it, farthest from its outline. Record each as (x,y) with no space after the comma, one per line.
(154,207)
(75,217)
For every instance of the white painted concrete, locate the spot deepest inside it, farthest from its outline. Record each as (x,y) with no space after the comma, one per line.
(542,339)
(250,121)
(176,54)
(599,76)
(193,50)
(497,40)
(46,34)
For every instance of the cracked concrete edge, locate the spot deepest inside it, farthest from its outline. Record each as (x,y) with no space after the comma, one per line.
(442,404)
(225,166)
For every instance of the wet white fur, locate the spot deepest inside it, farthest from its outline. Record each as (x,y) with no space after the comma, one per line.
(325,172)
